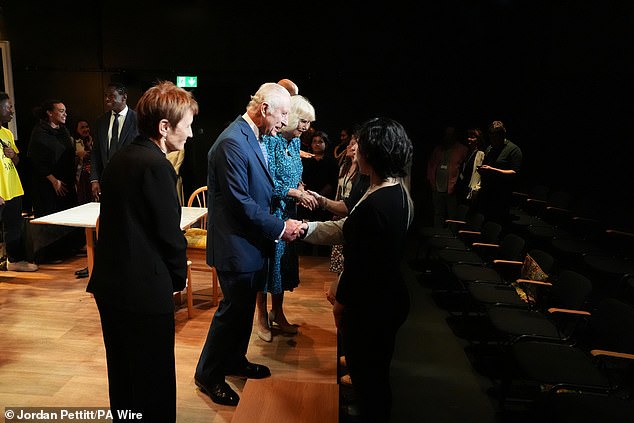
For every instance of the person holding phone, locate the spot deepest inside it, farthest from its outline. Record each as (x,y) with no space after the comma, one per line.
(499,170)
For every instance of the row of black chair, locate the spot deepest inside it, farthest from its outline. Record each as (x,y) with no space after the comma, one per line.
(573,230)
(555,335)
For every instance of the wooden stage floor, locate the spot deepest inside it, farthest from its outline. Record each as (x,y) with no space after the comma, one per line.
(52,353)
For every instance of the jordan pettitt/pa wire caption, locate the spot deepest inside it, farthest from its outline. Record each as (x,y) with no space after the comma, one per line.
(68,414)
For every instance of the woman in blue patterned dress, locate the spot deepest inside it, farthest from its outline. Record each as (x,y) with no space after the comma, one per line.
(285,166)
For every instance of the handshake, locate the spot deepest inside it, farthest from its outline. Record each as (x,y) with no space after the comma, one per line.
(307,198)
(294,229)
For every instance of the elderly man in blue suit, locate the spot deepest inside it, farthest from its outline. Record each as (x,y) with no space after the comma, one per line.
(241,236)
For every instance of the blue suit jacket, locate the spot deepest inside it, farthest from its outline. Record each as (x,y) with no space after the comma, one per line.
(241,231)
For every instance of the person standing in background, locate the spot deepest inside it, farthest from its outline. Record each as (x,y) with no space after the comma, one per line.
(290,86)
(141,258)
(468,183)
(341,149)
(114,130)
(177,158)
(349,194)
(11,193)
(319,175)
(52,167)
(502,163)
(83,149)
(442,173)
(348,174)
(52,155)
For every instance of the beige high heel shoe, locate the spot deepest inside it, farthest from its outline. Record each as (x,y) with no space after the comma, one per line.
(264,333)
(286,327)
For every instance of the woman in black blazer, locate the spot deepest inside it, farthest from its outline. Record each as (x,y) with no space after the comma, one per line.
(140,258)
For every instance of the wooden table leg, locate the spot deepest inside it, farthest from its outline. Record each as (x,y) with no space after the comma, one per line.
(90,245)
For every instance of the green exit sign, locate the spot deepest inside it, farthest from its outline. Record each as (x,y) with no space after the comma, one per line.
(187,81)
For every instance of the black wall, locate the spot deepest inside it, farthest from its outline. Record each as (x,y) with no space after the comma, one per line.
(557,73)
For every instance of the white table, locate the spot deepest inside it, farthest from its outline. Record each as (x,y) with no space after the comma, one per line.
(85,216)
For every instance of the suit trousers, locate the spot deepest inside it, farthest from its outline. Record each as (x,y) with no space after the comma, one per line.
(228,338)
(13,234)
(141,364)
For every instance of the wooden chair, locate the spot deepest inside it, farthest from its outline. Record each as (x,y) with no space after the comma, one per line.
(197,241)
(188,291)
(198,198)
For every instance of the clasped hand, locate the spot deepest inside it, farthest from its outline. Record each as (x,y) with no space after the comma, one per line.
(292,230)
(319,199)
(309,201)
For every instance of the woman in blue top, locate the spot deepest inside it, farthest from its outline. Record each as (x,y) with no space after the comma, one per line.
(285,166)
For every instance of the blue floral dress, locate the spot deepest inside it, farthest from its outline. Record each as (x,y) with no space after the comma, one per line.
(285,166)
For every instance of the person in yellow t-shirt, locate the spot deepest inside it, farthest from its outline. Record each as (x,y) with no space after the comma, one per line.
(11,193)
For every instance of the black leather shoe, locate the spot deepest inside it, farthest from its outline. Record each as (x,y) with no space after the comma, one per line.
(252,371)
(220,393)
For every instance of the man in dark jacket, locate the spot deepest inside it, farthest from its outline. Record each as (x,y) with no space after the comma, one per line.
(106,141)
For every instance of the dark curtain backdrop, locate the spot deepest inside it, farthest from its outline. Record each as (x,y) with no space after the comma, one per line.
(557,73)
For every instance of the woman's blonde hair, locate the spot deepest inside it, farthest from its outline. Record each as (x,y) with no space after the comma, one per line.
(300,109)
